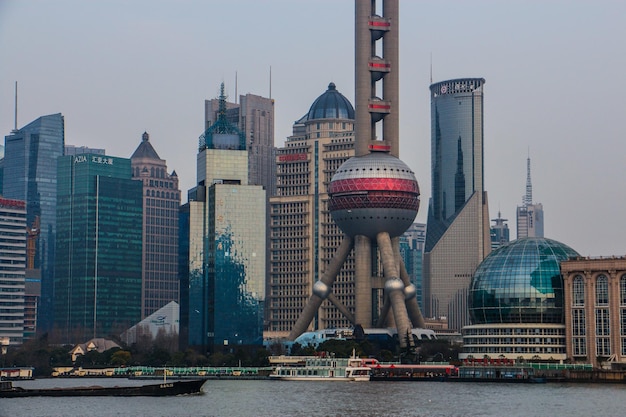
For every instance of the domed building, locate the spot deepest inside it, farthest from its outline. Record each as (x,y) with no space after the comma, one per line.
(516,303)
(303,234)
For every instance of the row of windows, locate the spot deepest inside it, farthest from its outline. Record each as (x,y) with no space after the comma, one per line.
(601,291)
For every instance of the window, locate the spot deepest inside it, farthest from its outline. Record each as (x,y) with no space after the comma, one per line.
(579,291)
(602,291)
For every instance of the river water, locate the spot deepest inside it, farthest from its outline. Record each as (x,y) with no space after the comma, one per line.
(231,398)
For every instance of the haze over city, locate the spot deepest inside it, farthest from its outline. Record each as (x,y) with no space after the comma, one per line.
(116,69)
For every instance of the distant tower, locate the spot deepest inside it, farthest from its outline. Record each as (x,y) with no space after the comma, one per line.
(499,232)
(374,197)
(161,201)
(529,215)
(457,236)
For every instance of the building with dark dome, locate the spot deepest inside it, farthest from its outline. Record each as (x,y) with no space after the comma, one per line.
(516,302)
(303,234)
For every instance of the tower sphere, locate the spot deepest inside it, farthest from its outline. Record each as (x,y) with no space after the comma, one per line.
(373,193)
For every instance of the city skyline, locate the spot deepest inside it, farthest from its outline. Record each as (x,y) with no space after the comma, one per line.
(151,67)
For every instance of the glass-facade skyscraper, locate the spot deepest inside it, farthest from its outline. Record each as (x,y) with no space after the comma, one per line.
(225,224)
(457,237)
(30,174)
(99,246)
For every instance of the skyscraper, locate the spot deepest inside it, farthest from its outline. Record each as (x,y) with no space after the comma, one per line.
(529,214)
(30,174)
(99,247)
(161,201)
(412,252)
(224,221)
(12,269)
(457,237)
(303,236)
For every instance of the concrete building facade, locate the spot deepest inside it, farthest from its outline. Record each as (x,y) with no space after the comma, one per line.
(303,236)
(12,269)
(161,202)
(595,310)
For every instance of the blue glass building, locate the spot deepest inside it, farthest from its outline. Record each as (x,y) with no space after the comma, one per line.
(99,247)
(225,223)
(457,236)
(30,174)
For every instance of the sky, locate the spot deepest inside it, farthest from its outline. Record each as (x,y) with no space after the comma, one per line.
(554,71)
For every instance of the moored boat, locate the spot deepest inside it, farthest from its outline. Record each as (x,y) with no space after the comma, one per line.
(321,368)
(165,388)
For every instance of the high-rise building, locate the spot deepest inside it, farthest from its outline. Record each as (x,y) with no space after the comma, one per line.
(12,269)
(412,252)
(224,221)
(30,174)
(254,116)
(529,214)
(99,247)
(457,237)
(303,236)
(161,202)
(499,232)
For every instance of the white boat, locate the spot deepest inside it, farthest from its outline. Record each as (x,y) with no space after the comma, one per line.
(325,368)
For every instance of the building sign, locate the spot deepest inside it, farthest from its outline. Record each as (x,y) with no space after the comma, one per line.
(95,159)
(292,157)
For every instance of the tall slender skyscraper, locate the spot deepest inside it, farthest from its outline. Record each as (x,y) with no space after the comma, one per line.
(30,174)
(529,214)
(99,246)
(161,201)
(457,237)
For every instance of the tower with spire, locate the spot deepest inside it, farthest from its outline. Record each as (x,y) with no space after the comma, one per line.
(529,214)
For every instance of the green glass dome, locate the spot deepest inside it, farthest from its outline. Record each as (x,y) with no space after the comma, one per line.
(520,282)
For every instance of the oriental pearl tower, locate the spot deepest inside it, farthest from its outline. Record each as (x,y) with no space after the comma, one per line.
(374,196)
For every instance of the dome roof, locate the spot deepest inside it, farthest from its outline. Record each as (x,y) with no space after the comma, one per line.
(520,282)
(331,105)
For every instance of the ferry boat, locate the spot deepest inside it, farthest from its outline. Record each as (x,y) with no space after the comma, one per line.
(325,368)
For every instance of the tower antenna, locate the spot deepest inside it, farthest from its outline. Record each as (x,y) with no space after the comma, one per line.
(15,126)
(431,67)
(236,87)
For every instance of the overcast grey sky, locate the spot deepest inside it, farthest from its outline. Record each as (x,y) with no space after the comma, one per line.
(554,75)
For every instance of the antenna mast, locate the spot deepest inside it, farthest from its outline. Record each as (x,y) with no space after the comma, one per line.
(15,126)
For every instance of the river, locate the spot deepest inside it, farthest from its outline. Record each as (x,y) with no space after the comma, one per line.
(231,398)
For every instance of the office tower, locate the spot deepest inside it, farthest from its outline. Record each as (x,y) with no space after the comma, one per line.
(254,116)
(373,196)
(224,220)
(99,247)
(457,237)
(30,174)
(499,232)
(412,253)
(303,236)
(529,214)
(12,269)
(161,201)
